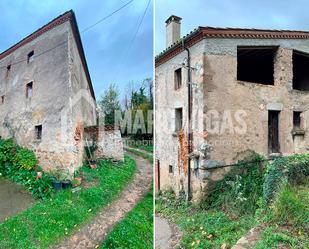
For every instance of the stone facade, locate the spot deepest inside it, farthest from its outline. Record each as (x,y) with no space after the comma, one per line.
(217,90)
(108,142)
(61,98)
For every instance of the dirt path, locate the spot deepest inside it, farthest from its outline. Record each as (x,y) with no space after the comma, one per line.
(167,234)
(93,234)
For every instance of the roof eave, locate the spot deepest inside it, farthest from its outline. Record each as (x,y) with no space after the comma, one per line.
(81,51)
(209,32)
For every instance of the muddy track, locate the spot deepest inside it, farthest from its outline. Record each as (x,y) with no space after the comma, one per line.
(94,233)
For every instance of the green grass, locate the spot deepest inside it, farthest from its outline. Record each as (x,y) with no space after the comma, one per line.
(49,221)
(285,223)
(146,145)
(287,220)
(141,154)
(136,229)
(148,148)
(203,229)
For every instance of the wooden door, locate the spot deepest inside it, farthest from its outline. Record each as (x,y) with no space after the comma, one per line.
(273,132)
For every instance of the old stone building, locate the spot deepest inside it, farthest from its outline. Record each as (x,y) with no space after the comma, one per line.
(224,92)
(46,94)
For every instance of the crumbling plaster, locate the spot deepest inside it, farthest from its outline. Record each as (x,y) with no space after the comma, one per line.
(217,88)
(53,91)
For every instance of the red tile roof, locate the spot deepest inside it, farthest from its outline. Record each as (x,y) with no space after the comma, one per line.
(67,16)
(236,33)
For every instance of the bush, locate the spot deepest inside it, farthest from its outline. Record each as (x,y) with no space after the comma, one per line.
(293,169)
(20,165)
(7,150)
(25,159)
(240,189)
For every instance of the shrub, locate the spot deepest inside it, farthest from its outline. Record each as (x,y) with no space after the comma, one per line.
(293,169)
(240,189)
(7,150)
(25,159)
(20,165)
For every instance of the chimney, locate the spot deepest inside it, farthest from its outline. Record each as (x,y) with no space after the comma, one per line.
(172,30)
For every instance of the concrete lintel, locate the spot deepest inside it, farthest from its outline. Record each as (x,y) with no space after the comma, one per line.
(274,106)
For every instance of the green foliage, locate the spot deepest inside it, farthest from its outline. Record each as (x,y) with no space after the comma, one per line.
(287,219)
(147,156)
(50,220)
(7,150)
(24,158)
(285,222)
(274,237)
(146,145)
(293,169)
(109,103)
(202,229)
(20,165)
(240,189)
(292,206)
(136,229)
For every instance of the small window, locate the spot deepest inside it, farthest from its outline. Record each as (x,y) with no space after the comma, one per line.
(30,57)
(178,78)
(170,169)
(178,119)
(38,132)
(29,90)
(297,120)
(2,99)
(8,70)
(256,64)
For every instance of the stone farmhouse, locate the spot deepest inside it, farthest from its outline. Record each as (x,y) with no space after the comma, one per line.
(46,94)
(222,93)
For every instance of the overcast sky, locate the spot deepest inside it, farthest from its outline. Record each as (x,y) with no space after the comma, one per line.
(107,47)
(269,14)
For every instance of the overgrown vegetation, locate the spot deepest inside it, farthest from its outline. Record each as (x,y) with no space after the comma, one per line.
(202,229)
(286,221)
(20,165)
(50,220)
(136,229)
(239,191)
(293,169)
(272,195)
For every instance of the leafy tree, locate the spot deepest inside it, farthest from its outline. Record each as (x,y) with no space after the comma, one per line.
(109,103)
(141,101)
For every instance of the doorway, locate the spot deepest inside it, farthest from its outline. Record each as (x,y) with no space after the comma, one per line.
(273,132)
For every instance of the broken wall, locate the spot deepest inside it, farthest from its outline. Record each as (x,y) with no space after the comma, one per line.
(110,144)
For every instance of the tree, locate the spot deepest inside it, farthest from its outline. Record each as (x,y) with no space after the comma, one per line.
(141,103)
(108,104)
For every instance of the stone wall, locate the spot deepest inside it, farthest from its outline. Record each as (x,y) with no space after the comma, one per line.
(108,140)
(60,101)
(216,88)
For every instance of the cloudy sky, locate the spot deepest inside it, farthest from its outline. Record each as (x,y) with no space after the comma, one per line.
(269,14)
(110,52)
